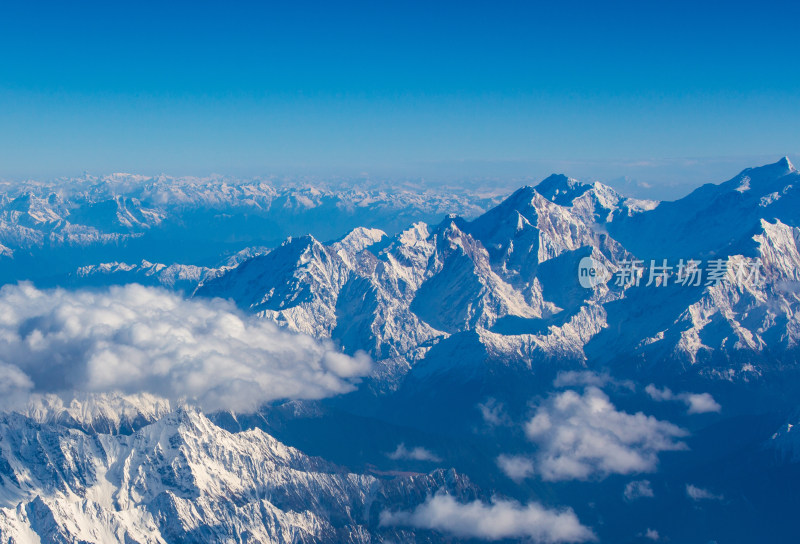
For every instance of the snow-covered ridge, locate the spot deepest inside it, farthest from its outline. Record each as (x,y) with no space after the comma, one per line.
(98,412)
(182,478)
(179,277)
(510,276)
(429,283)
(48,230)
(106,209)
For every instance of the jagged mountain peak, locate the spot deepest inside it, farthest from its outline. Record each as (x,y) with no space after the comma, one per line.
(298,247)
(110,413)
(760,177)
(594,203)
(779,168)
(521,197)
(360,238)
(561,189)
(715,219)
(451,224)
(778,249)
(524,202)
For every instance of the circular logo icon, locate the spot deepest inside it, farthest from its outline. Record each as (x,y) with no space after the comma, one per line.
(592,273)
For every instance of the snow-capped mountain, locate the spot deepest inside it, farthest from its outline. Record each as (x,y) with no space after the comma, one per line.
(509,279)
(735,329)
(180,277)
(490,360)
(593,202)
(715,219)
(50,229)
(398,296)
(91,210)
(183,479)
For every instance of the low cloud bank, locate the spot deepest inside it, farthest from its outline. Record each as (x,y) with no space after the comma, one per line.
(136,339)
(500,519)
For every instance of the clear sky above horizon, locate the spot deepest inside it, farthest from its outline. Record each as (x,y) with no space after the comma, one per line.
(663,92)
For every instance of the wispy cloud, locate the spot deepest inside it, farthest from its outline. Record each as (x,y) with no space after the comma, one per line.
(516,467)
(494,413)
(638,489)
(699,494)
(582,378)
(135,339)
(652,534)
(414,454)
(500,519)
(697,403)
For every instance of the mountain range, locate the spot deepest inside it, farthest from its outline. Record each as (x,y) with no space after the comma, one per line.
(506,400)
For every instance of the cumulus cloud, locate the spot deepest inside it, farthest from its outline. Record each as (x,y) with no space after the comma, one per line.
(638,489)
(135,339)
(697,403)
(701,403)
(15,385)
(699,494)
(516,467)
(500,519)
(414,454)
(583,435)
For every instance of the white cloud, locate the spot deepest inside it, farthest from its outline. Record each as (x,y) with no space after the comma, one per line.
(697,403)
(494,413)
(572,378)
(652,534)
(699,494)
(580,378)
(135,339)
(415,454)
(659,395)
(500,519)
(580,436)
(15,385)
(516,467)
(701,403)
(638,489)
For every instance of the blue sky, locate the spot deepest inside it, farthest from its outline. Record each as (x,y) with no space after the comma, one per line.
(665,92)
